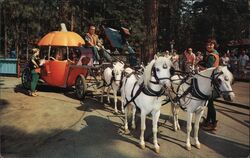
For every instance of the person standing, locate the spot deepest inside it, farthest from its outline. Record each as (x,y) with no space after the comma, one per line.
(34,67)
(233,62)
(225,60)
(243,61)
(188,60)
(199,58)
(212,60)
(175,60)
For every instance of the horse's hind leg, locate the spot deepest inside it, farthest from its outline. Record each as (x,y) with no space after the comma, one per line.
(115,99)
(133,116)
(175,111)
(126,120)
(108,91)
(122,106)
(189,128)
(103,90)
(156,115)
(198,115)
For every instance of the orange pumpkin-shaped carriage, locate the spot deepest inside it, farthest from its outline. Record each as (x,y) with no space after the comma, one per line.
(66,62)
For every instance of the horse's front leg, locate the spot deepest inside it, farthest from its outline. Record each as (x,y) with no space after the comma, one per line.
(198,115)
(115,99)
(189,129)
(143,127)
(156,115)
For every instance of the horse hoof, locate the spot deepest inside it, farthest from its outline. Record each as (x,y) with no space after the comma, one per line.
(157,150)
(127,131)
(198,146)
(133,126)
(116,111)
(178,128)
(188,147)
(175,129)
(142,146)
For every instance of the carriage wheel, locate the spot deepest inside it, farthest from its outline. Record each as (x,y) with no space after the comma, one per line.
(26,78)
(80,86)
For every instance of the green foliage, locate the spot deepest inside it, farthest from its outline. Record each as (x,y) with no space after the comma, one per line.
(188,22)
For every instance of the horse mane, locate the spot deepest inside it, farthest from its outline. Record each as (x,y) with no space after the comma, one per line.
(224,69)
(147,73)
(227,73)
(207,72)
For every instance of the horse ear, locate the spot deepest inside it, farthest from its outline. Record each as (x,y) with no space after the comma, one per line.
(113,64)
(155,57)
(219,69)
(122,63)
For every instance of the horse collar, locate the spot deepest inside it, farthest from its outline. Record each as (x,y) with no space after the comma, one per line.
(195,91)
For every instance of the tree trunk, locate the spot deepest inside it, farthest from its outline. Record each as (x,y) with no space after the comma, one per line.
(5,35)
(151,18)
(72,22)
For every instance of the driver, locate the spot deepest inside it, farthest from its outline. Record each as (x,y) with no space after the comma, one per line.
(92,41)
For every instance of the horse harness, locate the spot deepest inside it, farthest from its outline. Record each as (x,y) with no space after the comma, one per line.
(194,89)
(146,90)
(113,79)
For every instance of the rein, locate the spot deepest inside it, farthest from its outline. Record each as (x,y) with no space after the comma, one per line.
(194,89)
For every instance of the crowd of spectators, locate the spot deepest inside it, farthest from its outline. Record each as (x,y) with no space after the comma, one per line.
(188,60)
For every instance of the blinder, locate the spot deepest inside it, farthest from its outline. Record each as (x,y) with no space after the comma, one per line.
(172,71)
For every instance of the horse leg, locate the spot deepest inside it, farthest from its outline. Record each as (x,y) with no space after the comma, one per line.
(196,128)
(115,99)
(143,127)
(122,104)
(126,121)
(189,128)
(108,90)
(156,115)
(133,116)
(174,112)
(177,118)
(103,90)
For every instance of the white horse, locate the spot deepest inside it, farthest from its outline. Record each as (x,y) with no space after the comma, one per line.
(193,93)
(145,93)
(113,78)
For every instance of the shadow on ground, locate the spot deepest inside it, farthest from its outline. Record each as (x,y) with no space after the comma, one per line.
(97,138)
(220,145)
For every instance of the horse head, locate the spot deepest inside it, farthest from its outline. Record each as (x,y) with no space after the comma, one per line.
(161,69)
(118,71)
(223,80)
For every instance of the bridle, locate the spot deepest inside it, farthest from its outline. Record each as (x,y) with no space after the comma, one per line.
(146,89)
(194,89)
(215,81)
(158,79)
